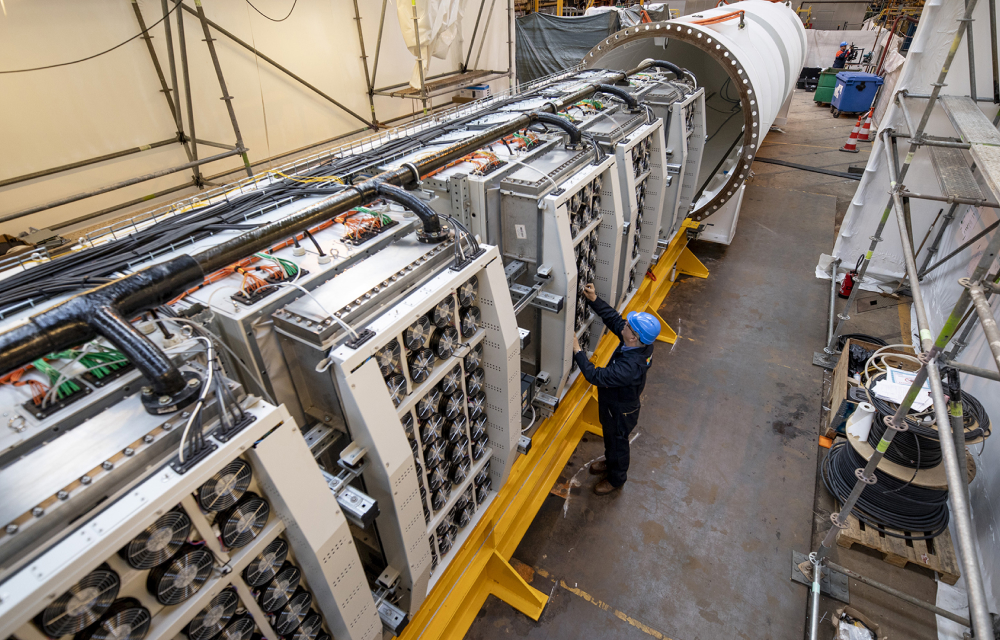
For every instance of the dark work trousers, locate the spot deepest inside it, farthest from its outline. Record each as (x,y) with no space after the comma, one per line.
(617,421)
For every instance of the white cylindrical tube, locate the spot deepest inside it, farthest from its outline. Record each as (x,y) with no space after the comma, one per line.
(748,65)
(860,422)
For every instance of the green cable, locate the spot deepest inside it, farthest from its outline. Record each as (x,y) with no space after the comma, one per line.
(67,388)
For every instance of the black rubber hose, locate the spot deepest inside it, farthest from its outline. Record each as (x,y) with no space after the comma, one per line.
(429,217)
(102,312)
(575,135)
(618,92)
(670,66)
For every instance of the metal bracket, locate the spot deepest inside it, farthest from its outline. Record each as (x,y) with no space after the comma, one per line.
(889,422)
(835,519)
(534,296)
(831,583)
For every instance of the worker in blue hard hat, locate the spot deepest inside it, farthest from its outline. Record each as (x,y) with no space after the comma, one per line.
(619,385)
(841,59)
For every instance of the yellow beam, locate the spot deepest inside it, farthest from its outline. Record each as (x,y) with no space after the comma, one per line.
(481,566)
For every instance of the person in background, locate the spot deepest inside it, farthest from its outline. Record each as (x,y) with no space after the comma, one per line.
(619,385)
(841,60)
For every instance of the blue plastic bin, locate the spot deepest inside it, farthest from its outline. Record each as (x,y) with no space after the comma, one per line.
(855,92)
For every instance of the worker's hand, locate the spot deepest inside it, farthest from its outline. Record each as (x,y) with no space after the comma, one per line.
(576,344)
(590,292)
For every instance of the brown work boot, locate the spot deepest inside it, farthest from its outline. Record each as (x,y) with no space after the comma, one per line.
(599,467)
(604,487)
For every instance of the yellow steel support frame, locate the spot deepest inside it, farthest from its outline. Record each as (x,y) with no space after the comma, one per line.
(481,567)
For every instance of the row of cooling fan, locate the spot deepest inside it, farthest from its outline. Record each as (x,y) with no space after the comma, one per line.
(449,431)
(586,271)
(177,568)
(641,154)
(640,200)
(461,514)
(277,585)
(430,338)
(585,206)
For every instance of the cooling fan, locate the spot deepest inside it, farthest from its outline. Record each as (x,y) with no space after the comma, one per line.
(239,628)
(280,589)
(417,334)
(474,358)
(157,542)
(477,405)
(431,428)
(180,577)
(451,381)
(451,406)
(421,365)
(468,291)
(396,384)
(427,404)
(444,341)
(442,313)
(457,428)
(471,319)
(126,619)
(225,488)
(211,620)
(264,567)
(243,521)
(388,359)
(310,627)
(82,605)
(474,381)
(294,613)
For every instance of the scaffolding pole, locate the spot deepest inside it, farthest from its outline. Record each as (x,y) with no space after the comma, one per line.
(931,352)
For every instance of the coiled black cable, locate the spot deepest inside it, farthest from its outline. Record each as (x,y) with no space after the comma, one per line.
(907,448)
(896,508)
(975,419)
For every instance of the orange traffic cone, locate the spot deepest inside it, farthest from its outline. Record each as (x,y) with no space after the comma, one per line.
(852,142)
(865,134)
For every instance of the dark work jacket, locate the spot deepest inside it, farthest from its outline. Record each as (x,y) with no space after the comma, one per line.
(841,59)
(622,381)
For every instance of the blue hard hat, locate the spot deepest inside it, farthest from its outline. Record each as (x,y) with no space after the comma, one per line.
(645,326)
(843,44)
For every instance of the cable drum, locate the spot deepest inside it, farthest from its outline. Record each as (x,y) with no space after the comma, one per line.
(891,506)
(907,449)
(975,419)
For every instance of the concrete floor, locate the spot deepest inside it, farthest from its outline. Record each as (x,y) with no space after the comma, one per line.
(723,484)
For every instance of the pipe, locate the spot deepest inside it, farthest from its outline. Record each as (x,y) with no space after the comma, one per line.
(905,597)
(66,324)
(973,371)
(892,32)
(979,202)
(964,246)
(972,60)
(431,231)
(475,32)
(985,313)
(84,163)
(993,45)
(814,599)
(103,311)
(378,43)
(833,297)
(677,71)
(118,185)
(935,246)
(575,135)
(188,98)
(620,93)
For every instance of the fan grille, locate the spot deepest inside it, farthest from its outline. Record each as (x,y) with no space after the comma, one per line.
(158,542)
(239,629)
(281,588)
(293,613)
(175,581)
(82,605)
(225,488)
(244,522)
(126,619)
(211,620)
(264,567)
(309,628)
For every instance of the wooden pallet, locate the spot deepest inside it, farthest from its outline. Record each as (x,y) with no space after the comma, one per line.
(937,554)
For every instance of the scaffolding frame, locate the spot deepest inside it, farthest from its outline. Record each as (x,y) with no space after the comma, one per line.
(976,133)
(185,131)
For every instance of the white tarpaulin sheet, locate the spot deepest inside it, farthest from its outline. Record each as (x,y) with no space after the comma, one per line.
(439,23)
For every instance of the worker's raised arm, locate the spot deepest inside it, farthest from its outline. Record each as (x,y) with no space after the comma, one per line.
(620,373)
(611,318)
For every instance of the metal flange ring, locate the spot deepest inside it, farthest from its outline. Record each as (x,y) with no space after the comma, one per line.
(860,475)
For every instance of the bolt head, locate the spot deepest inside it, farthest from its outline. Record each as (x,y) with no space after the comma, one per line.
(63,495)
(38,512)
(147,391)
(193,382)
(85,480)
(185,414)
(107,465)
(129,451)
(148,438)
(164,400)
(11,529)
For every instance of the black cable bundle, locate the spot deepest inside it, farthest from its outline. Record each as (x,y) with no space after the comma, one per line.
(888,504)
(907,448)
(973,413)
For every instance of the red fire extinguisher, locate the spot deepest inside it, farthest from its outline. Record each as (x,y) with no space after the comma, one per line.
(848,284)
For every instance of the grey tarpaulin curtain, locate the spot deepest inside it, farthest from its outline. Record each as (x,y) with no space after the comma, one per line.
(546,43)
